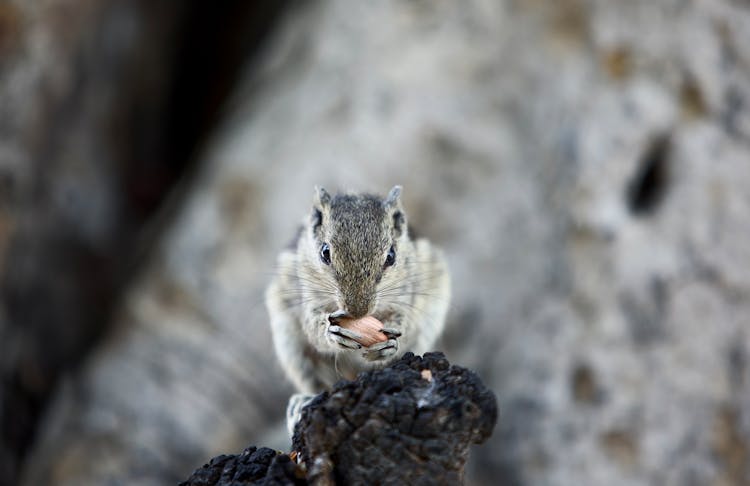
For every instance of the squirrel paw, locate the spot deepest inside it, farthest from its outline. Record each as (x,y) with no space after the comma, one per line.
(294,410)
(342,337)
(391,332)
(381,351)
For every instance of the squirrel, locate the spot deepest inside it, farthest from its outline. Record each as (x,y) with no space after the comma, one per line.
(354,257)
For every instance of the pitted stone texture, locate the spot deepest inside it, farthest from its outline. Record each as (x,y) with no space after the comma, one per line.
(411,423)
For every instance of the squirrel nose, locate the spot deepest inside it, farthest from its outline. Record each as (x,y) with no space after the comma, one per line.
(357,309)
(357,301)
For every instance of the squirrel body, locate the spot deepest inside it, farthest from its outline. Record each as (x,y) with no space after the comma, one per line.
(353,258)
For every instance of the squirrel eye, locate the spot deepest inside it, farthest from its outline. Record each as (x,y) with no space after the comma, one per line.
(325,254)
(391,258)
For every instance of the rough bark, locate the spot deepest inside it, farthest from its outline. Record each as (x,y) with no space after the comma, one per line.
(410,423)
(254,466)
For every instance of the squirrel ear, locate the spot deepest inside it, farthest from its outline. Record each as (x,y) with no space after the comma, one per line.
(322,198)
(393,203)
(393,200)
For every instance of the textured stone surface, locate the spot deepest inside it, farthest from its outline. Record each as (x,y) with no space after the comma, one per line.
(253,466)
(410,423)
(583,163)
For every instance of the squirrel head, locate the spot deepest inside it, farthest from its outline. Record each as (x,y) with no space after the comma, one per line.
(355,243)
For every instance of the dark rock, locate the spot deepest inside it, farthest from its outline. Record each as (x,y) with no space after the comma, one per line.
(411,423)
(407,424)
(253,466)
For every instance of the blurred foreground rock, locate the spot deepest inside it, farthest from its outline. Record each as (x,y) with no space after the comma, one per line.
(583,163)
(410,423)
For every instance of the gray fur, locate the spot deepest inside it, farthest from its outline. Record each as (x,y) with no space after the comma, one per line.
(305,299)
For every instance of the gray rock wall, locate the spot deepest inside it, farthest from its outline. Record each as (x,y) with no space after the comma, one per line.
(583,164)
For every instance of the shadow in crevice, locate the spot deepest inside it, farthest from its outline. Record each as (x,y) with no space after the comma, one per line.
(647,188)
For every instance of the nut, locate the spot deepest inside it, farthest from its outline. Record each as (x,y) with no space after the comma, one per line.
(368,327)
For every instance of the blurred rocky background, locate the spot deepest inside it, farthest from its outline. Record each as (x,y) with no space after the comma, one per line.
(584,164)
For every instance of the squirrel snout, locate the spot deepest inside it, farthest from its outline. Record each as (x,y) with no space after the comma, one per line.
(354,308)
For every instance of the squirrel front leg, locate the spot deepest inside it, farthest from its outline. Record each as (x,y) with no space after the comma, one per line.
(290,348)
(296,355)
(302,363)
